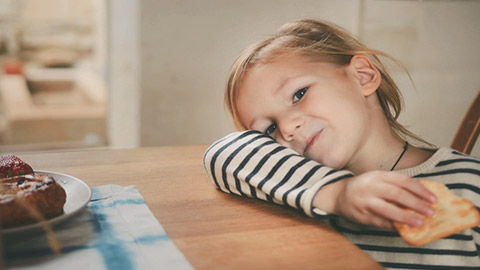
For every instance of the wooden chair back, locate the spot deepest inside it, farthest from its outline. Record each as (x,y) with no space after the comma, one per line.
(469,129)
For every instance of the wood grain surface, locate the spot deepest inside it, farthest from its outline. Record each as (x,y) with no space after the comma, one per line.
(212,229)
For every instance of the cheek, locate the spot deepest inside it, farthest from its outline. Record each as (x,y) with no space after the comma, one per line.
(246,110)
(329,149)
(335,152)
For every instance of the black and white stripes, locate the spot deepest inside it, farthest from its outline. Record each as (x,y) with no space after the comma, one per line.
(253,165)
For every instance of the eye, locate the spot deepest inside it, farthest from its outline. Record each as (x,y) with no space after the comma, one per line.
(270,129)
(299,94)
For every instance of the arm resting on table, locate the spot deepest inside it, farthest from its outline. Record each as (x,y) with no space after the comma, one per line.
(252,164)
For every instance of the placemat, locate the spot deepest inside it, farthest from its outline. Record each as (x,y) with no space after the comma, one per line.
(116,230)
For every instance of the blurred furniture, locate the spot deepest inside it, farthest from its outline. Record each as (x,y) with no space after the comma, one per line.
(212,229)
(9,26)
(43,106)
(469,129)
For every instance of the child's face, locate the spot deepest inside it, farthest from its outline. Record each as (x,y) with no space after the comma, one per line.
(316,108)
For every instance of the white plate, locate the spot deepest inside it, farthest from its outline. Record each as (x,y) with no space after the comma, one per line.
(78,195)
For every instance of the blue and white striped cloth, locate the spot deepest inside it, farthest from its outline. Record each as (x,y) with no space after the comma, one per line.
(117,231)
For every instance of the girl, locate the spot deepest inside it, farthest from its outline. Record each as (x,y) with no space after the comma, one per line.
(322,136)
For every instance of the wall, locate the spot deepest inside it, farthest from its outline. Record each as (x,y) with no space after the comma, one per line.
(438,42)
(187,48)
(124,73)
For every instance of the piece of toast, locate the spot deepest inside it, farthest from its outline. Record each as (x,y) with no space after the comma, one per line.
(452,214)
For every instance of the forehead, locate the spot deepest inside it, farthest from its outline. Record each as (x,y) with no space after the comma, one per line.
(275,72)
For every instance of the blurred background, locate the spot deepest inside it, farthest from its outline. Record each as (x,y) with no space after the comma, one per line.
(53,84)
(124,73)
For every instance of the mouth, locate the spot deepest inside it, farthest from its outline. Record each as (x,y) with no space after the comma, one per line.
(311,141)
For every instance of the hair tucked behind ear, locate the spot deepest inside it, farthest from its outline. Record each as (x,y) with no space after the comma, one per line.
(319,41)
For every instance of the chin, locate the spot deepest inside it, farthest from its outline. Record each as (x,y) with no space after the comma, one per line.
(333,161)
(330,158)
(334,165)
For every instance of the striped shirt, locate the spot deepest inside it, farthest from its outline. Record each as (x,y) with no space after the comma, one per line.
(251,164)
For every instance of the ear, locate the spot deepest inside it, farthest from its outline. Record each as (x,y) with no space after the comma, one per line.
(366,73)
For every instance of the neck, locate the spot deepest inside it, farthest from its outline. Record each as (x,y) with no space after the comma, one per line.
(381,147)
(405,148)
(382,155)
(378,153)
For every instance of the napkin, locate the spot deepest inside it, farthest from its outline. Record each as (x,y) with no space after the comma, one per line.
(116,230)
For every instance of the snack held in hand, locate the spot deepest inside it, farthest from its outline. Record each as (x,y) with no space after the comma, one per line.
(26,196)
(452,214)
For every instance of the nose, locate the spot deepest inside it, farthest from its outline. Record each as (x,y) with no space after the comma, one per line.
(289,125)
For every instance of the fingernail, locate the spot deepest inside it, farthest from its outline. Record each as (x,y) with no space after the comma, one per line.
(430,211)
(433,199)
(417,222)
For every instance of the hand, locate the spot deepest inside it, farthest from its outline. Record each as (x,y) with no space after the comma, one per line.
(377,198)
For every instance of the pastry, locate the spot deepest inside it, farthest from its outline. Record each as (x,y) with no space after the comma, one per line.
(452,214)
(25,196)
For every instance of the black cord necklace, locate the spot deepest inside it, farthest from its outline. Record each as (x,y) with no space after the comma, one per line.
(401,155)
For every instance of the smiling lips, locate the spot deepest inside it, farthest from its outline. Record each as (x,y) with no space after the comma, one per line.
(311,141)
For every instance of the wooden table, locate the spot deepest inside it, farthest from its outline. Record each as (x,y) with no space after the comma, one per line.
(214,230)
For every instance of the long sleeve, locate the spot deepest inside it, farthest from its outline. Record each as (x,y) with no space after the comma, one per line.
(252,164)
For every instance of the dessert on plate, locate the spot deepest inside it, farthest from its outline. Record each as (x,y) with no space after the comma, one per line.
(26,196)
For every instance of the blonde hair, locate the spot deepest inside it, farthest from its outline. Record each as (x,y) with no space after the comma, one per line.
(320,41)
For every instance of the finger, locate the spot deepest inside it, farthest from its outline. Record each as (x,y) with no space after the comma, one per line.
(413,186)
(408,200)
(378,221)
(382,223)
(394,213)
